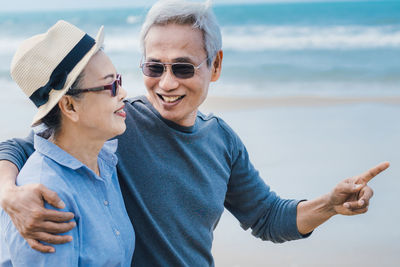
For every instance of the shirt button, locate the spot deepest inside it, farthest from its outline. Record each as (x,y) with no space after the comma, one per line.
(105,202)
(117,232)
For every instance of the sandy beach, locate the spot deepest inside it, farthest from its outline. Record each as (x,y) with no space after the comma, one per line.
(302,147)
(215,103)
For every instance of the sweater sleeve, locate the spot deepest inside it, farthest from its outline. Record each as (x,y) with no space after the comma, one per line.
(252,202)
(17,150)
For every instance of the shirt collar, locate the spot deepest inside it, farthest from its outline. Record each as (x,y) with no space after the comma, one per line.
(60,156)
(107,153)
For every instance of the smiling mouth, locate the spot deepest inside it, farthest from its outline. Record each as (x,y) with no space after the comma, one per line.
(121,112)
(170,99)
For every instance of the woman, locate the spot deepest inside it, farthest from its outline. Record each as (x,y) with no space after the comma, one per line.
(80,99)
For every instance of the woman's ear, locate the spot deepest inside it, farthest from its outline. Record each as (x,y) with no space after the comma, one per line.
(69,107)
(216,66)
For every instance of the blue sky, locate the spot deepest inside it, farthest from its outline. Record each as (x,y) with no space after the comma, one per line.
(22,5)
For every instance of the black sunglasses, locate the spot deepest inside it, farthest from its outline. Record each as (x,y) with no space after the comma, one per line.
(113,87)
(180,70)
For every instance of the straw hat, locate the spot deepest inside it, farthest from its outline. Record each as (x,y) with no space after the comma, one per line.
(46,65)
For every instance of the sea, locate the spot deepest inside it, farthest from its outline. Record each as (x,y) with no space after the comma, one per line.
(320,48)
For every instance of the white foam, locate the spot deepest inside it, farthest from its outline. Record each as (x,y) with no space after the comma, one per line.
(133,19)
(128,42)
(8,44)
(259,38)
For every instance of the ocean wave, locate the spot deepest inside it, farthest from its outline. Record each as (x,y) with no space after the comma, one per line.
(119,41)
(9,44)
(259,38)
(122,42)
(133,19)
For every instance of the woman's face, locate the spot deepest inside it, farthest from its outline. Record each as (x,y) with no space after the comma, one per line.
(100,113)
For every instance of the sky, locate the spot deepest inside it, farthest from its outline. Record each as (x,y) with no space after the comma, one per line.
(23,5)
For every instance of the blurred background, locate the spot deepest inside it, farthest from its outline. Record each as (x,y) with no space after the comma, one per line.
(312,88)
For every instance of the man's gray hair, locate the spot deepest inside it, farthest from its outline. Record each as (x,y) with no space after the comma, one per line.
(198,15)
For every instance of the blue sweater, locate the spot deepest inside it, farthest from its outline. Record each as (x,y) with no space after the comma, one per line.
(176,182)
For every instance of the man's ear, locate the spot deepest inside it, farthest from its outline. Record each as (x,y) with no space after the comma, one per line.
(68,106)
(216,66)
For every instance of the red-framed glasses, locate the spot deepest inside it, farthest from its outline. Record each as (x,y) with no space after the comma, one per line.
(113,87)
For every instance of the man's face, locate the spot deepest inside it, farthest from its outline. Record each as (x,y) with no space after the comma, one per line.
(178,99)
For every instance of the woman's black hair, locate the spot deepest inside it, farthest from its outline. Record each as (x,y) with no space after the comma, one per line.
(53,119)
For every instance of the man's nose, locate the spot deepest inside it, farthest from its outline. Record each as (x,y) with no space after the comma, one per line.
(168,81)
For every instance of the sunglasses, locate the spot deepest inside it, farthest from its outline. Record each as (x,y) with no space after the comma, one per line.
(113,87)
(180,70)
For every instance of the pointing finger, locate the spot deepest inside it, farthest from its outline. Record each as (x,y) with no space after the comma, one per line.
(371,173)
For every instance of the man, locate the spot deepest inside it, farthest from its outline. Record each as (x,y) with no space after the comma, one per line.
(179,168)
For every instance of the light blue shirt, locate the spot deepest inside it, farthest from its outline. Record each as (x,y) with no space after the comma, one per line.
(104,235)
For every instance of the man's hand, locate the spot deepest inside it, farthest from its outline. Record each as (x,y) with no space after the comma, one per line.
(352,195)
(25,206)
(349,197)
